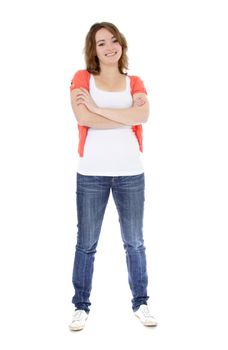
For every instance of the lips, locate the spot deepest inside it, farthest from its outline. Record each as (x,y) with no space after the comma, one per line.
(110,54)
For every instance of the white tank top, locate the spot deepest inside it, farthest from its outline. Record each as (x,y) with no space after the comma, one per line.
(111,152)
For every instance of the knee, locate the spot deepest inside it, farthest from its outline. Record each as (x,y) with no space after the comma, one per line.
(134,247)
(86,248)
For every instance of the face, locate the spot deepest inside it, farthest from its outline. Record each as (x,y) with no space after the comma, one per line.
(108,48)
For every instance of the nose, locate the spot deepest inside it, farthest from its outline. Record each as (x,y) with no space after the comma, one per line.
(111,45)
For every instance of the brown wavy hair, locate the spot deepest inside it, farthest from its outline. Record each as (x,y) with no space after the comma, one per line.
(91,59)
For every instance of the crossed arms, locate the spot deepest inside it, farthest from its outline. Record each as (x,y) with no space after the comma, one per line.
(89,114)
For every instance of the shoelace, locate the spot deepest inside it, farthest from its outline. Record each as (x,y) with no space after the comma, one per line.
(78,315)
(145,311)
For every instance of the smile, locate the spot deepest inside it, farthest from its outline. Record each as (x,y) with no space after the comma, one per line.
(111,54)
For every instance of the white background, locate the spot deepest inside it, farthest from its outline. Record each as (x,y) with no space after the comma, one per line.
(179,49)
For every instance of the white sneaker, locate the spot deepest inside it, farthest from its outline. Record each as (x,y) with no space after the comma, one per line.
(143,313)
(79,320)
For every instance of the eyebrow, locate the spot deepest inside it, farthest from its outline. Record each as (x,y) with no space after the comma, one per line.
(104,40)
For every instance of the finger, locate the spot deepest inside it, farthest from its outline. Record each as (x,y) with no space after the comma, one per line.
(80,102)
(80,98)
(79,91)
(86,92)
(76,90)
(140,100)
(82,93)
(84,89)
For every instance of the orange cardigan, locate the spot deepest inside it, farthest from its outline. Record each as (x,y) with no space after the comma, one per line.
(81,79)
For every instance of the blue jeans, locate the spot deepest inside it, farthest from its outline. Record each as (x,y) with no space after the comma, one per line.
(92,198)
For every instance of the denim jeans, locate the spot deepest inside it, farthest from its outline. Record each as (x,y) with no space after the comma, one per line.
(92,197)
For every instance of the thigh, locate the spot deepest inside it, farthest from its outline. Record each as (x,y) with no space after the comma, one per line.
(92,197)
(129,197)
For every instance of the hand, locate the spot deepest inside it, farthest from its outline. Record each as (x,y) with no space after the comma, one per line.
(138,102)
(82,96)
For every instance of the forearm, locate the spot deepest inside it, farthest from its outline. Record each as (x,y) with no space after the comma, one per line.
(128,116)
(98,122)
(91,119)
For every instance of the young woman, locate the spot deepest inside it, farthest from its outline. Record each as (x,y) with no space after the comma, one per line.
(110,107)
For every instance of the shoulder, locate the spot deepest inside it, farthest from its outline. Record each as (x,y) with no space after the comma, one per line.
(137,84)
(80,79)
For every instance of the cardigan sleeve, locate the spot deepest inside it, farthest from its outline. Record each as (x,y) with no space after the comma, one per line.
(80,80)
(137,85)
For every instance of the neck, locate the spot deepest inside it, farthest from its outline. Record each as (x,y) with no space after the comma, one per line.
(109,72)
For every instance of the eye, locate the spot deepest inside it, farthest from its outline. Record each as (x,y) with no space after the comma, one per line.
(100,44)
(115,40)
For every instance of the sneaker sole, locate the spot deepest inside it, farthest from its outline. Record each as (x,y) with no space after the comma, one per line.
(75,328)
(149,324)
